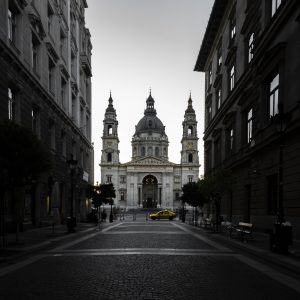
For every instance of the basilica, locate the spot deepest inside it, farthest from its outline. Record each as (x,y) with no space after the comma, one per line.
(149,179)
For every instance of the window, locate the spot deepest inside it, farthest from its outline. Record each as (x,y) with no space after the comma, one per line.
(229,141)
(208,159)
(218,98)
(73,108)
(12,18)
(275,6)
(232,24)
(62,44)
(149,150)
(109,157)
(156,151)
(50,19)
(51,76)
(81,157)
(190,130)
(122,179)
(190,159)
(143,151)
(249,125)
(209,77)
(190,178)
(34,52)
(73,64)
(35,121)
(108,178)
(51,130)
(219,56)
(250,47)
(63,85)
(273,96)
(208,112)
(232,77)
(74,150)
(122,196)
(11,106)
(82,119)
(150,124)
(217,152)
(231,136)
(63,144)
(109,129)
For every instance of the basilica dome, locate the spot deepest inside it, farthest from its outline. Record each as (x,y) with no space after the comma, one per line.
(150,122)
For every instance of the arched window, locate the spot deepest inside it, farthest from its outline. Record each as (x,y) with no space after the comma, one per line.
(165,151)
(190,157)
(156,151)
(109,129)
(109,157)
(150,123)
(134,151)
(143,151)
(190,130)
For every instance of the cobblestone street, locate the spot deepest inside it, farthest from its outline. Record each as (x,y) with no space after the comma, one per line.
(144,260)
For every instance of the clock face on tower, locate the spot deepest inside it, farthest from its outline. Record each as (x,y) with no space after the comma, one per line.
(190,145)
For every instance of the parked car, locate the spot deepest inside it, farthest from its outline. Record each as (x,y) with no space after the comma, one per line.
(163,214)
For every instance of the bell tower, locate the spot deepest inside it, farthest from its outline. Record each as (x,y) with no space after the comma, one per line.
(110,140)
(189,141)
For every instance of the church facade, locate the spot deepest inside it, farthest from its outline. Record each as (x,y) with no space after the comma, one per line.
(149,180)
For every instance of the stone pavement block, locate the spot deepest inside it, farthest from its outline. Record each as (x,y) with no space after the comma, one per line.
(142,277)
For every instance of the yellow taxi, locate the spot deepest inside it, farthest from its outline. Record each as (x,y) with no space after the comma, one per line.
(163,214)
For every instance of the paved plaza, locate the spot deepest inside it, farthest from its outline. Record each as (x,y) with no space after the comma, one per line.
(145,259)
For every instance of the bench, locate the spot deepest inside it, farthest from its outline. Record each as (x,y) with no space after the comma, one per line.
(244,229)
(206,222)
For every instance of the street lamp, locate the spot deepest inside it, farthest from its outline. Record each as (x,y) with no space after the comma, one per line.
(111,217)
(71,220)
(283,231)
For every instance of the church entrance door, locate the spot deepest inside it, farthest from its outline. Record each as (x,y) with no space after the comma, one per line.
(150,192)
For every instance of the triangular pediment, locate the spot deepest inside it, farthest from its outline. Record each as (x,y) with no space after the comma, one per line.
(149,160)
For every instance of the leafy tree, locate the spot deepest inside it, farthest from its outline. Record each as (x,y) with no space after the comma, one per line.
(22,159)
(215,185)
(107,192)
(193,194)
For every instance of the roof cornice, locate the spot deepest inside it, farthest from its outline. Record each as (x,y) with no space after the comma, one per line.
(211,31)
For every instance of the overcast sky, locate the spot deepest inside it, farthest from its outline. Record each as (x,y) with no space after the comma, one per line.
(138,44)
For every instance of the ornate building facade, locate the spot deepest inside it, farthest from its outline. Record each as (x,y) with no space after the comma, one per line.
(45,86)
(252,123)
(149,180)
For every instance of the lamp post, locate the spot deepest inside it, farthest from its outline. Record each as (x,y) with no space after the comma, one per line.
(283,231)
(111,217)
(71,220)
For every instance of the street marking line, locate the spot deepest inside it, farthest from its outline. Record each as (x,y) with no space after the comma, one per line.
(171,253)
(60,248)
(20,265)
(144,232)
(111,227)
(203,239)
(270,272)
(108,250)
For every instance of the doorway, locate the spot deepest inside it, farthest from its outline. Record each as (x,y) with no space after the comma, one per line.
(150,192)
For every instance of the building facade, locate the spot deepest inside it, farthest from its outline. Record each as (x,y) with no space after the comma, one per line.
(45,86)
(250,54)
(149,180)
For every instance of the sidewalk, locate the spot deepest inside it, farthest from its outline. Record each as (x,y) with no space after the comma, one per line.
(33,239)
(259,246)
